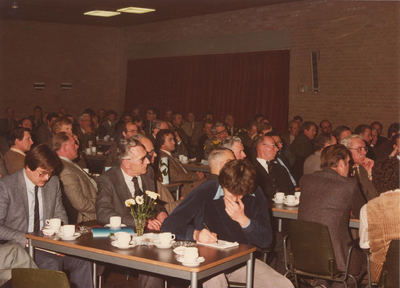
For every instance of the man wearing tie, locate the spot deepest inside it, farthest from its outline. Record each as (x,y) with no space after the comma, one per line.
(29,197)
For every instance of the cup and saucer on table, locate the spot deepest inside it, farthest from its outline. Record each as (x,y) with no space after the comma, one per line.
(290,200)
(165,240)
(68,233)
(123,241)
(190,257)
(183,159)
(115,223)
(52,225)
(279,198)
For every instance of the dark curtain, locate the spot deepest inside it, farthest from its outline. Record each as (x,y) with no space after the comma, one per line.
(243,84)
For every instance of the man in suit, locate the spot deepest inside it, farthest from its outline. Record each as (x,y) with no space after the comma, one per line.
(362,166)
(8,123)
(36,118)
(152,115)
(302,147)
(177,120)
(120,183)
(313,162)
(365,132)
(293,131)
(28,198)
(110,123)
(217,159)
(21,143)
(328,197)
(79,190)
(177,173)
(44,133)
(230,125)
(248,136)
(219,134)
(235,145)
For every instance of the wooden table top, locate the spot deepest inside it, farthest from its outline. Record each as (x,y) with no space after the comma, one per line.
(143,254)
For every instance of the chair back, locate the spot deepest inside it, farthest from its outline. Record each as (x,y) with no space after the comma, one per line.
(311,248)
(390,271)
(38,278)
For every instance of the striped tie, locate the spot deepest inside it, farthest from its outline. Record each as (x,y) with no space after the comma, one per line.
(138,191)
(36,226)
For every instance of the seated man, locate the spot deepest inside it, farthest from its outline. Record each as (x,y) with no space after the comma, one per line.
(242,217)
(220,133)
(20,213)
(328,197)
(79,190)
(379,219)
(217,159)
(21,143)
(13,256)
(177,173)
(313,162)
(234,143)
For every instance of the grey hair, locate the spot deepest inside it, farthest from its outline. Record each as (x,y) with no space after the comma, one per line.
(124,148)
(228,142)
(138,137)
(157,125)
(84,115)
(214,127)
(347,140)
(216,155)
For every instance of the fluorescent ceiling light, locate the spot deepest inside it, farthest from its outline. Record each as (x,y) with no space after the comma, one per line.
(136,10)
(101,13)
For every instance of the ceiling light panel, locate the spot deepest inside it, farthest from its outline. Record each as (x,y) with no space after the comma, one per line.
(136,10)
(102,13)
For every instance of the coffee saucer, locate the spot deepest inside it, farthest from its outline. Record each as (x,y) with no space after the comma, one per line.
(158,244)
(191,264)
(296,202)
(48,231)
(68,238)
(130,245)
(277,201)
(109,226)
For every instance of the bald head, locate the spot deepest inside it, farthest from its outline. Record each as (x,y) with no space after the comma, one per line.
(218,157)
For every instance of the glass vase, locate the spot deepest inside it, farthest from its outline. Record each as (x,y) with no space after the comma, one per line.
(140,224)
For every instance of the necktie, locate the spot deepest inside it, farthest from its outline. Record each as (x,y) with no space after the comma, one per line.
(355,173)
(138,191)
(271,172)
(36,223)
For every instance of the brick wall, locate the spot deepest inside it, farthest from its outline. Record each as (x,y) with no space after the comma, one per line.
(357,43)
(86,56)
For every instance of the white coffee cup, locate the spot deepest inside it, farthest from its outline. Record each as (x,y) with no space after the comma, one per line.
(181,158)
(297,194)
(94,150)
(90,143)
(166,238)
(54,223)
(115,221)
(290,199)
(106,138)
(279,196)
(123,239)
(190,254)
(68,230)
(184,159)
(88,151)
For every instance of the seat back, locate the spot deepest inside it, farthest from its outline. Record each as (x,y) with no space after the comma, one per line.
(390,271)
(38,278)
(311,248)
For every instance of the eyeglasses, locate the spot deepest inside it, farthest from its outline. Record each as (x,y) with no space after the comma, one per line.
(222,132)
(272,145)
(44,173)
(360,149)
(141,161)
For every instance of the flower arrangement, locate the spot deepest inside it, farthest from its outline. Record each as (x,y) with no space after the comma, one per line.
(142,208)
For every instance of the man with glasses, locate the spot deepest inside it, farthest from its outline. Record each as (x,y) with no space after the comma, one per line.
(29,197)
(362,166)
(152,115)
(220,134)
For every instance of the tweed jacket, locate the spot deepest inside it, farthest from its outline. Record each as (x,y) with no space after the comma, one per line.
(328,198)
(14,161)
(14,211)
(80,192)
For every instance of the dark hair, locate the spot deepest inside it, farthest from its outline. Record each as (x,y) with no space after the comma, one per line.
(258,116)
(320,123)
(263,126)
(251,124)
(394,138)
(37,107)
(137,119)
(360,129)
(18,133)
(208,121)
(208,112)
(23,119)
(155,111)
(51,115)
(321,140)
(394,128)
(385,175)
(42,156)
(291,122)
(339,130)
(160,137)
(176,114)
(89,111)
(238,177)
(111,112)
(59,139)
(331,155)
(9,108)
(298,118)
(377,123)
(307,126)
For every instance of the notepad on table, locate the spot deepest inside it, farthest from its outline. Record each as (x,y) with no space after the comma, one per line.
(221,244)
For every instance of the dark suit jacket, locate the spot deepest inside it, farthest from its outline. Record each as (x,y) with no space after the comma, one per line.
(264,180)
(44,135)
(112,193)
(4,125)
(109,130)
(365,185)
(301,147)
(14,211)
(328,198)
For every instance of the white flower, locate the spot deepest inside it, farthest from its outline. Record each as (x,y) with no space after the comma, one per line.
(129,202)
(139,200)
(152,195)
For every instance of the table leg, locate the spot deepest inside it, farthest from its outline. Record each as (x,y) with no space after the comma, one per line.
(94,274)
(178,193)
(280,224)
(31,249)
(249,272)
(193,280)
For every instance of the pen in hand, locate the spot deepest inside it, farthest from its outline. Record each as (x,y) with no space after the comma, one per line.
(205,225)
